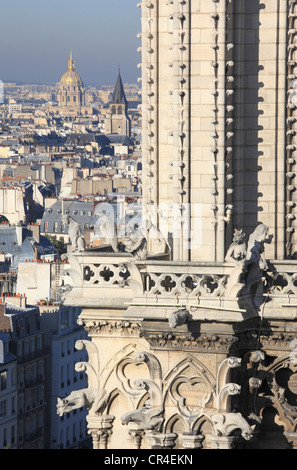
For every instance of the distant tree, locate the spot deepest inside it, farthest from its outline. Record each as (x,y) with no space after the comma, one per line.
(59,244)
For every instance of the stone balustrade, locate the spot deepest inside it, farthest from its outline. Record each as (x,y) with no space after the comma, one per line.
(115,280)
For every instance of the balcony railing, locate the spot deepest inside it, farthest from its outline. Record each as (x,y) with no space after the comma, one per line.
(111,280)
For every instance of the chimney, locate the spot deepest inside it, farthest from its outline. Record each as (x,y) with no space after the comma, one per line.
(35,229)
(36,253)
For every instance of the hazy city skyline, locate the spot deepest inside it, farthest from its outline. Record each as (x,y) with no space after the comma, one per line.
(38,37)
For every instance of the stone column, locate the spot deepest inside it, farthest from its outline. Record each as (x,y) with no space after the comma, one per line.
(161,440)
(100,428)
(136,435)
(222,442)
(191,441)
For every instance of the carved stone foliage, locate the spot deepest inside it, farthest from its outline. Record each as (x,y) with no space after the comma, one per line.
(107,328)
(190,342)
(266,340)
(267,385)
(281,380)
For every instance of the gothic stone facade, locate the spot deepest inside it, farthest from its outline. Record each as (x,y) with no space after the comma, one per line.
(194,346)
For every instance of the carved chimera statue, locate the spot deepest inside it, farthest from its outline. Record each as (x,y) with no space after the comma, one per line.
(75,233)
(249,264)
(146,418)
(255,261)
(109,231)
(146,240)
(178,318)
(94,400)
(226,423)
(236,255)
(137,245)
(237,251)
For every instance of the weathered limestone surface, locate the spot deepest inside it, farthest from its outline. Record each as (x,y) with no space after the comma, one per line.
(195,347)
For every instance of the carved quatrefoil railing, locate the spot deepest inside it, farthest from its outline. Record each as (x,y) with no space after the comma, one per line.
(105,274)
(169,284)
(169,280)
(156,283)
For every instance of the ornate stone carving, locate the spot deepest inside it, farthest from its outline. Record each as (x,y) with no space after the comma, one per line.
(226,423)
(146,418)
(137,245)
(151,415)
(104,327)
(178,318)
(75,234)
(170,284)
(189,342)
(100,428)
(224,388)
(146,240)
(94,397)
(94,400)
(255,261)
(108,230)
(236,255)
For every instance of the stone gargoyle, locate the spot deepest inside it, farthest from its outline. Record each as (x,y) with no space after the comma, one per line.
(226,423)
(109,231)
(136,245)
(255,260)
(94,400)
(147,419)
(75,234)
(179,318)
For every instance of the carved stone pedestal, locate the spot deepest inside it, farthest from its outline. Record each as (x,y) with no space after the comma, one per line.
(191,441)
(100,428)
(222,442)
(161,441)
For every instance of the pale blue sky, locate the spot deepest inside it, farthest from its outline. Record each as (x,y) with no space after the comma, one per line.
(36,37)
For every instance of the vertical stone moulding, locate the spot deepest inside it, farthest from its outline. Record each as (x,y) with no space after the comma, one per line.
(290,128)
(218,17)
(229,119)
(215,111)
(181,130)
(149,108)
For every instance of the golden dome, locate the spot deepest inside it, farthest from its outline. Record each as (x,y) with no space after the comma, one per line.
(71,77)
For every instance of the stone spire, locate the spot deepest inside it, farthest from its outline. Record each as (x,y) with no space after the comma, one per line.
(119,96)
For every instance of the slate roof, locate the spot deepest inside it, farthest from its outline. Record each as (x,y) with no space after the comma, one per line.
(102,139)
(80,211)
(26,249)
(118,139)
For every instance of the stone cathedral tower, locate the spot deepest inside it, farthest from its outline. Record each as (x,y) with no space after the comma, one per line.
(193,328)
(117,120)
(217,126)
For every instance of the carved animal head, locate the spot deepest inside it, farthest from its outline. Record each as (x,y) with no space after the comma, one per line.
(178,318)
(238,235)
(61,406)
